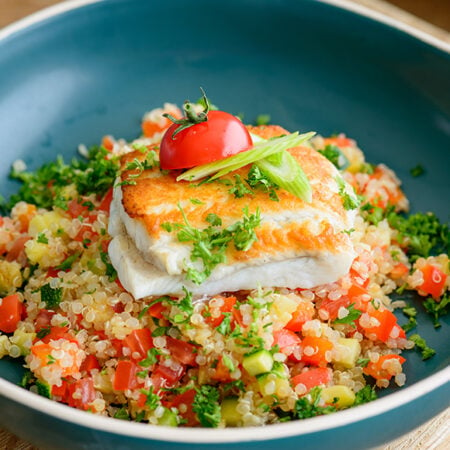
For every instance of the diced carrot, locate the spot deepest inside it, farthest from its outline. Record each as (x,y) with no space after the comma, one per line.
(227,307)
(304,312)
(433,281)
(221,372)
(108,142)
(377,369)
(313,377)
(386,322)
(340,141)
(25,216)
(315,350)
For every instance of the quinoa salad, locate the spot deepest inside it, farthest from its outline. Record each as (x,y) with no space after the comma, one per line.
(70,309)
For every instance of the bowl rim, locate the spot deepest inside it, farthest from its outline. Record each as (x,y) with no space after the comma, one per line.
(216,436)
(362,10)
(226,435)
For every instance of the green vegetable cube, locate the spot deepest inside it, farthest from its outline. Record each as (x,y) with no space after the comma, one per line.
(259,362)
(229,412)
(340,396)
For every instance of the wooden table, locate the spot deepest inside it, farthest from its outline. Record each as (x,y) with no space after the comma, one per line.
(435,434)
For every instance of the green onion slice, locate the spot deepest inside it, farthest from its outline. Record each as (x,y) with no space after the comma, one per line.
(283,169)
(259,151)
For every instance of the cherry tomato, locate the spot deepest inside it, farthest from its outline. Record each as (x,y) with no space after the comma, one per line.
(222,135)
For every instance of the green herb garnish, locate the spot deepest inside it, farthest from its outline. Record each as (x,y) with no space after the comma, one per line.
(51,296)
(421,345)
(206,406)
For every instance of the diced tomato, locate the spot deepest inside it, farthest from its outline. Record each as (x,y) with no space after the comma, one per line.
(376,370)
(108,142)
(182,351)
(187,398)
(304,312)
(227,307)
(399,270)
(157,310)
(53,272)
(433,281)
(387,321)
(57,333)
(320,348)
(10,313)
(17,248)
(221,372)
(164,376)
(401,331)
(357,279)
(1,221)
(61,391)
(105,204)
(151,127)
(355,293)
(89,363)
(140,342)
(118,308)
(43,319)
(77,209)
(313,377)
(86,234)
(85,391)
(125,376)
(117,345)
(332,306)
(287,341)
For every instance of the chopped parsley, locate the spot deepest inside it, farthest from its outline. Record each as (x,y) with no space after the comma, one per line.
(417,171)
(306,408)
(67,263)
(51,296)
(44,331)
(153,400)
(206,406)
(421,345)
(420,234)
(184,304)
(44,187)
(228,363)
(42,238)
(122,414)
(239,189)
(151,357)
(258,180)
(335,156)
(353,314)
(262,119)
(365,395)
(349,201)
(225,326)
(110,271)
(411,313)
(437,309)
(362,362)
(209,245)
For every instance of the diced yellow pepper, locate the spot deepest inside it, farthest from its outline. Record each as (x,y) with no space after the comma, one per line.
(340,396)
(348,351)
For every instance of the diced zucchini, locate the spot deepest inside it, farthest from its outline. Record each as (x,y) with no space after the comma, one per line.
(339,396)
(259,362)
(168,419)
(348,352)
(229,412)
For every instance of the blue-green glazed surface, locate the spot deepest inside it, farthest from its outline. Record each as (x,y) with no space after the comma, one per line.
(75,76)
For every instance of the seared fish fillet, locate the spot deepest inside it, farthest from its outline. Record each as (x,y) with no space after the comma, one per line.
(298,244)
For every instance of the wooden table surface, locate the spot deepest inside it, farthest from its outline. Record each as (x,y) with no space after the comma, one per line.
(432,17)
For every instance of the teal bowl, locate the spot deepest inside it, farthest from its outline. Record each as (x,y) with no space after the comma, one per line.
(83,69)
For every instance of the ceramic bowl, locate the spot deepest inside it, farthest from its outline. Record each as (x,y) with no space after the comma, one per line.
(80,70)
